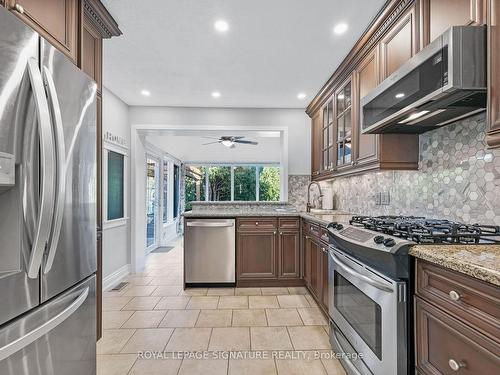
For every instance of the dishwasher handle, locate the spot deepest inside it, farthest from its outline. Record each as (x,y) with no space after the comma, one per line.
(210,224)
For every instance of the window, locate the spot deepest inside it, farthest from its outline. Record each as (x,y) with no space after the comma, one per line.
(194,185)
(234,182)
(269,184)
(165,191)
(176,191)
(244,184)
(219,183)
(152,201)
(115,186)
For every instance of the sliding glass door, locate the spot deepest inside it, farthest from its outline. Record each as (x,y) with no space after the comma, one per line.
(152,201)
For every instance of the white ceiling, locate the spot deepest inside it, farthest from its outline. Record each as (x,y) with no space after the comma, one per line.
(188,146)
(273,50)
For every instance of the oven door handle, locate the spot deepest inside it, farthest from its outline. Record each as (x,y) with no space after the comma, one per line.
(369,280)
(347,361)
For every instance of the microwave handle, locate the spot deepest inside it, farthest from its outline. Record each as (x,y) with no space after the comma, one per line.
(348,362)
(377,284)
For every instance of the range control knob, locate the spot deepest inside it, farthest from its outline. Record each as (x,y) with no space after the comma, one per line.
(339,226)
(332,225)
(378,239)
(389,242)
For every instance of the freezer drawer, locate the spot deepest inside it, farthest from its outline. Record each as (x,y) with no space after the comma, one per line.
(58,338)
(209,251)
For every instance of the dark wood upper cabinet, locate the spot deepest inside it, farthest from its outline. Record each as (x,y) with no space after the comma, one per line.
(316,144)
(438,15)
(58,21)
(91,52)
(343,120)
(493,117)
(399,43)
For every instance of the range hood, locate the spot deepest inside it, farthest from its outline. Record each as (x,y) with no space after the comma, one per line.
(442,83)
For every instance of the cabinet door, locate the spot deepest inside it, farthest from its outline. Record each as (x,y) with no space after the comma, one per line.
(324,278)
(328,138)
(307,260)
(438,15)
(316,142)
(256,255)
(91,52)
(445,345)
(315,268)
(493,118)
(55,20)
(366,79)
(288,257)
(343,125)
(399,43)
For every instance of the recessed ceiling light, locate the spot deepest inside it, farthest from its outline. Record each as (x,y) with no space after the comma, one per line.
(145,92)
(399,95)
(216,94)
(340,28)
(221,26)
(301,96)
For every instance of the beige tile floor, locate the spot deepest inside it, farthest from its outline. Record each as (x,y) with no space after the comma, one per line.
(280,330)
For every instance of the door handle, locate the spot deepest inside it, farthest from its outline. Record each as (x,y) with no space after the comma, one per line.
(368,280)
(208,224)
(21,342)
(60,168)
(47,166)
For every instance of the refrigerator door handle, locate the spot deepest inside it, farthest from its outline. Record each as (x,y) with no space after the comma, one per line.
(47,163)
(21,342)
(60,168)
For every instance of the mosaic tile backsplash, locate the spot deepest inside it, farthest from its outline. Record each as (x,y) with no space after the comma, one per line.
(458,179)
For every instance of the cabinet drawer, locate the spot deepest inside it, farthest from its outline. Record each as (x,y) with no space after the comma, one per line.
(257,223)
(289,223)
(476,302)
(445,345)
(313,230)
(324,235)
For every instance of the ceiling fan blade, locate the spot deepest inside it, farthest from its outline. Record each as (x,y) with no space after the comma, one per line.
(238,137)
(210,137)
(210,143)
(246,142)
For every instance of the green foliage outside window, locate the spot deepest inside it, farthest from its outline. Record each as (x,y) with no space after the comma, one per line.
(269,184)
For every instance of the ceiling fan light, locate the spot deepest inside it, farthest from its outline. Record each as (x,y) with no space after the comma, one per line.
(227,143)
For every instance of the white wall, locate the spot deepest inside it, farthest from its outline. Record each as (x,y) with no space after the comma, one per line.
(116,237)
(296,120)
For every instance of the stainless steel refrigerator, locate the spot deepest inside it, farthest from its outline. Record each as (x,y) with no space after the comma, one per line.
(47,207)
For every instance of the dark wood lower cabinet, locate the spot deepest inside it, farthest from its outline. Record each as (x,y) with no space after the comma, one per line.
(268,252)
(256,255)
(446,345)
(289,254)
(324,279)
(456,322)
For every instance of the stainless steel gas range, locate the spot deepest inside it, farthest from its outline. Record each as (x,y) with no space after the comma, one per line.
(371,288)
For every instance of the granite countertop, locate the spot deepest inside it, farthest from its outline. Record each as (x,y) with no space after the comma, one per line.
(479,261)
(254,210)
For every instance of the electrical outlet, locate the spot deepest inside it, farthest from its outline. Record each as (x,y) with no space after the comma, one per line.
(382,198)
(385,198)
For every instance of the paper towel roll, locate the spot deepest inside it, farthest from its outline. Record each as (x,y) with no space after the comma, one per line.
(327,198)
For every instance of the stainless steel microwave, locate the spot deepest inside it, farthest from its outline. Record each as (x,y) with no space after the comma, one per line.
(442,83)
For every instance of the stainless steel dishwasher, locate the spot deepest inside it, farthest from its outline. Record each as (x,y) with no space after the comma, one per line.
(209,252)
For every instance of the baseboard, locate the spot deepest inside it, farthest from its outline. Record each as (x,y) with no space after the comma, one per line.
(111,280)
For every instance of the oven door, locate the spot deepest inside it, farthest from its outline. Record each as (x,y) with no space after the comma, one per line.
(370,312)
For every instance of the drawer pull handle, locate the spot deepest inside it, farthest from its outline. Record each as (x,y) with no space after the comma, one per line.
(454,296)
(454,365)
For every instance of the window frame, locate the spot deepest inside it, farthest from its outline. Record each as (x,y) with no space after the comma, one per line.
(110,147)
(233,166)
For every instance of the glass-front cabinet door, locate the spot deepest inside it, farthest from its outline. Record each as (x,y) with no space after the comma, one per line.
(328,137)
(343,117)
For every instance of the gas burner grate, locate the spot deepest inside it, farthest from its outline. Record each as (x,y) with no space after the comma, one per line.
(423,230)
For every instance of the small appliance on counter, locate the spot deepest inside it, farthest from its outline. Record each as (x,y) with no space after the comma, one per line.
(370,286)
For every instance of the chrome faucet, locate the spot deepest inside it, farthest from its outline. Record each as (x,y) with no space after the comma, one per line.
(320,198)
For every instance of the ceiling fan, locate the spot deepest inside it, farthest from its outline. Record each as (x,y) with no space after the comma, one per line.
(229,141)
